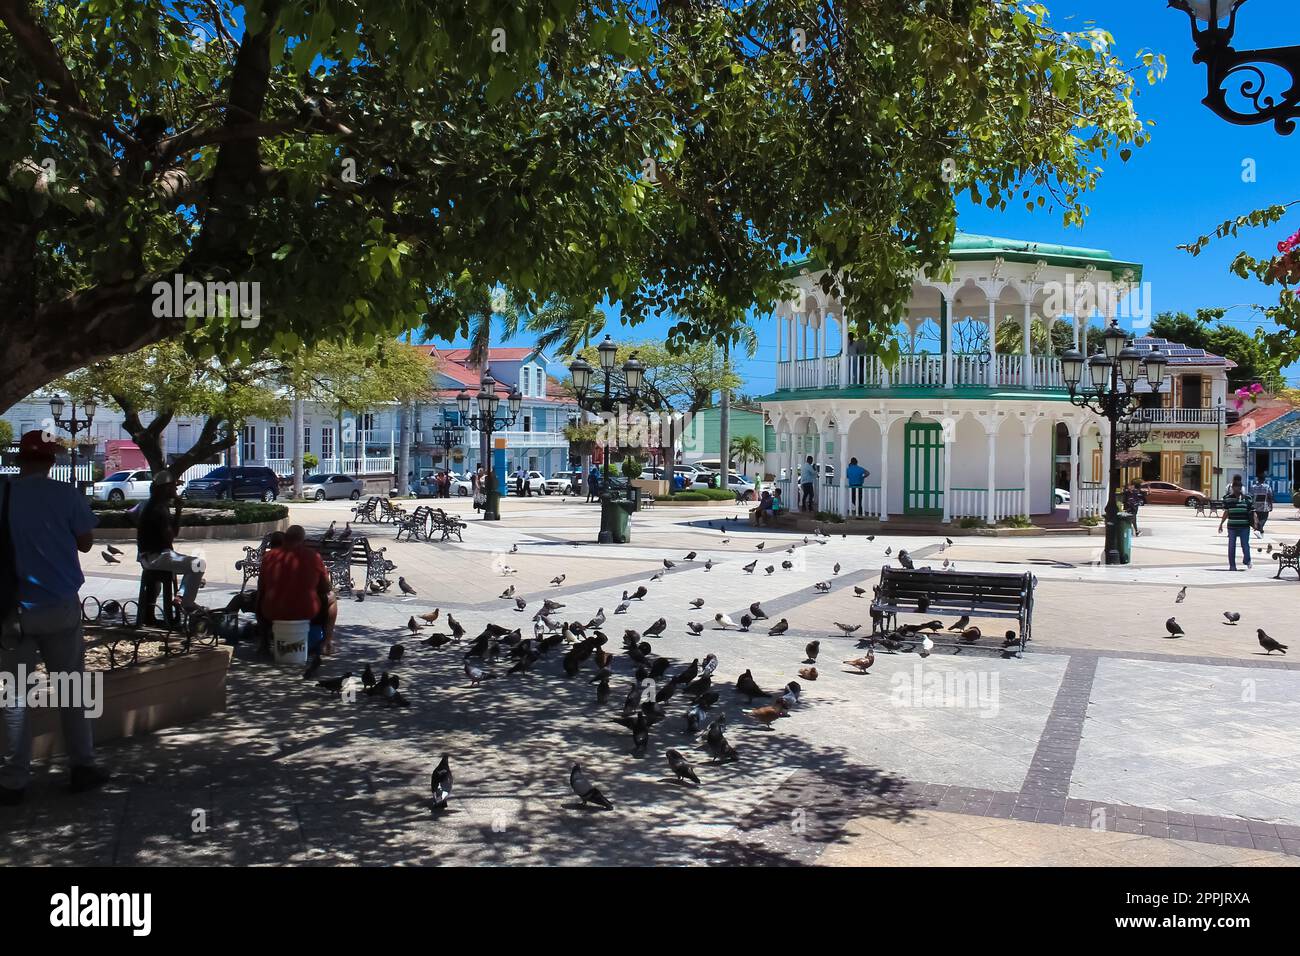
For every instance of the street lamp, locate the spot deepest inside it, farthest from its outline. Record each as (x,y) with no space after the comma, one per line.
(487,421)
(72,424)
(1224,65)
(607,399)
(1113,375)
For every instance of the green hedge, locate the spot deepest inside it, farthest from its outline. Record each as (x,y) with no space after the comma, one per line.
(704,494)
(211,513)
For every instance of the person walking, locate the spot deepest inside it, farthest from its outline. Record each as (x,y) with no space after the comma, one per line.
(1261,494)
(807,484)
(1240,518)
(157,526)
(1133,500)
(42,619)
(855,475)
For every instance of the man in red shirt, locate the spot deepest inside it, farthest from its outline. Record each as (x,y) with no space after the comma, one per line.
(294,586)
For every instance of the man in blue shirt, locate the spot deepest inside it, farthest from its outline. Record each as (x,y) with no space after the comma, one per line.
(48,522)
(856,475)
(808,483)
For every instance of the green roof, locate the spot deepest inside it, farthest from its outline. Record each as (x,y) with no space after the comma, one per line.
(968,247)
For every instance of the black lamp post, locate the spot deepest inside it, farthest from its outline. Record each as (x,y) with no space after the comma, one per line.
(1224,65)
(1113,374)
(487,421)
(72,424)
(607,399)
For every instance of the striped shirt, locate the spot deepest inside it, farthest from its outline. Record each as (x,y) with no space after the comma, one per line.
(1238,511)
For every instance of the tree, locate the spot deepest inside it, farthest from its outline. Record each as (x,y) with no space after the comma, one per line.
(6,434)
(565,326)
(746,449)
(359,168)
(164,381)
(1254,361)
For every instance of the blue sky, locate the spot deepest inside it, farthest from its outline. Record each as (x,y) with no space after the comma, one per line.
(1185,181)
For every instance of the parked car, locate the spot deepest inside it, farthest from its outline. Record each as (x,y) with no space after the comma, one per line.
(1061,496)
(427,487)
(536,482)
(1168,493)
(242,481)
(122,485)
(560,483)
(741,485)
(330,486)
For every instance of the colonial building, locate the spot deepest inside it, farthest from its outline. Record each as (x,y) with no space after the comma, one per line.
(1266,441)
(958,426)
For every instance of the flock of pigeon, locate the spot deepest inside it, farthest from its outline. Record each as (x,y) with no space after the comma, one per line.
(1231,618)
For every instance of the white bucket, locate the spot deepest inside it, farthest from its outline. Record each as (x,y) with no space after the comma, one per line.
(290,641)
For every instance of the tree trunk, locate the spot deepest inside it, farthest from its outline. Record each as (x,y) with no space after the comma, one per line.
(724,424)
(297,447)
(211,441)
(404,451)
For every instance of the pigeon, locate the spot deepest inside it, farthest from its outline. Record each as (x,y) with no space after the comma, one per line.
(822,586)
(787,565)
(113,550)
(863,664)
(367,677)
(1009,638)
(598,620)
(329,532)
(431,617)
(657,628)
(440,784)
(622,608)
(656,577)
(584,789)
(109,558)
(476,674)
(395,652)
(520,604)
(769,569)
(970,635)
(1232,616)
(689,557)
(1174,629)
(602,691)
(708,565)
(508,570)
(846,628)
(1268,643)
(312,666)
(640,593)
(695,627)
(871,537)
(437,640)
(508,593)
(749,687)
(808,673)
(347,532)
(790,697)
(709,666)
(859,591)
(749,568)
(404,587)
(334,684)
(811,651)
(779,628)
(836,569)
(697,603)
(767,715)
(760,546)
(681,768)
(758,612)
(514,548)
(961,623)
(889,551)
(724,621)
(1181,594)
(905,560)
(927,646)
(558,579)
(413,625)
(669,565)
(457,629)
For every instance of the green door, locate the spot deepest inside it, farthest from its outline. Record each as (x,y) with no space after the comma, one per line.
(923,468)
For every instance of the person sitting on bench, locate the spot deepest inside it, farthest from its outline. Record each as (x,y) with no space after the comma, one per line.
(295,586)
(764,511)
(157,526)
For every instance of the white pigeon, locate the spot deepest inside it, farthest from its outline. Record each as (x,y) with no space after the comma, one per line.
(927,646)
(507,569)
(724,620)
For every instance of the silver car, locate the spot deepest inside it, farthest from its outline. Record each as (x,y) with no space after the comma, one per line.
(323,487)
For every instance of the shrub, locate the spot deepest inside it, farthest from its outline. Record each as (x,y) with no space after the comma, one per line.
(1090,521)
(829,516)
(309,461)
(689,496)
(972,522)
(1016,521)
(112,515)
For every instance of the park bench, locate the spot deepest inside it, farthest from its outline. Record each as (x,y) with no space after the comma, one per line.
(251,563)
(366,513)
(976,593)
(647,502)
(784,516)
(446,525)
(414,525)
(390,513)
(1288,558)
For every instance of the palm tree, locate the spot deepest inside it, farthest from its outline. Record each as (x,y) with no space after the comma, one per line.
(1011,337)
(747,448)
(565,326)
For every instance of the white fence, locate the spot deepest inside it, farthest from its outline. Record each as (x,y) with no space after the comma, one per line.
(973,502)
(346,465)
(85,470)
(1092,499)
(1180,416)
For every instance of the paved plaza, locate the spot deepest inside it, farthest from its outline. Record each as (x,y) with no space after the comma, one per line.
(1107,744)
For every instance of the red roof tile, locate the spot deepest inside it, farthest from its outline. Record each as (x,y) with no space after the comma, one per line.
(1258,418)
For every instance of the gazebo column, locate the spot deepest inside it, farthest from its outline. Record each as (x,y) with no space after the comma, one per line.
(844,352)
(989,510)
(1027,372)
(883,422)
(842,437)
(947,478)
(1025,499)
(1076,480)
(992,370)
(945,307)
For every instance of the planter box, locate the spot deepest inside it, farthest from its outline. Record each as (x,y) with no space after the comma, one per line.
(669,503)
(651,486)
(140,700)
(255,529)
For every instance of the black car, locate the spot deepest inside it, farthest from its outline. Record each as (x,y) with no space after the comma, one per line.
(245,481)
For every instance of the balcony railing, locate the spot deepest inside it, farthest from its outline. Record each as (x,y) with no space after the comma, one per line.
(377,465)
(922,370)
(1180,416)
(519,438)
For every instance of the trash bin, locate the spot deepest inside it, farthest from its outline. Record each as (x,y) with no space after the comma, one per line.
(615,519)
(1124,540)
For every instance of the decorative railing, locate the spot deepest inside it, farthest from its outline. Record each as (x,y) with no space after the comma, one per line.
(921,370)
(1180,416)
(973,502)
(378,465)
(85,470)
(1091,498)
(518,436)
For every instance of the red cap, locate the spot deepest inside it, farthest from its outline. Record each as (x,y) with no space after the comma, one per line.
(35,447)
